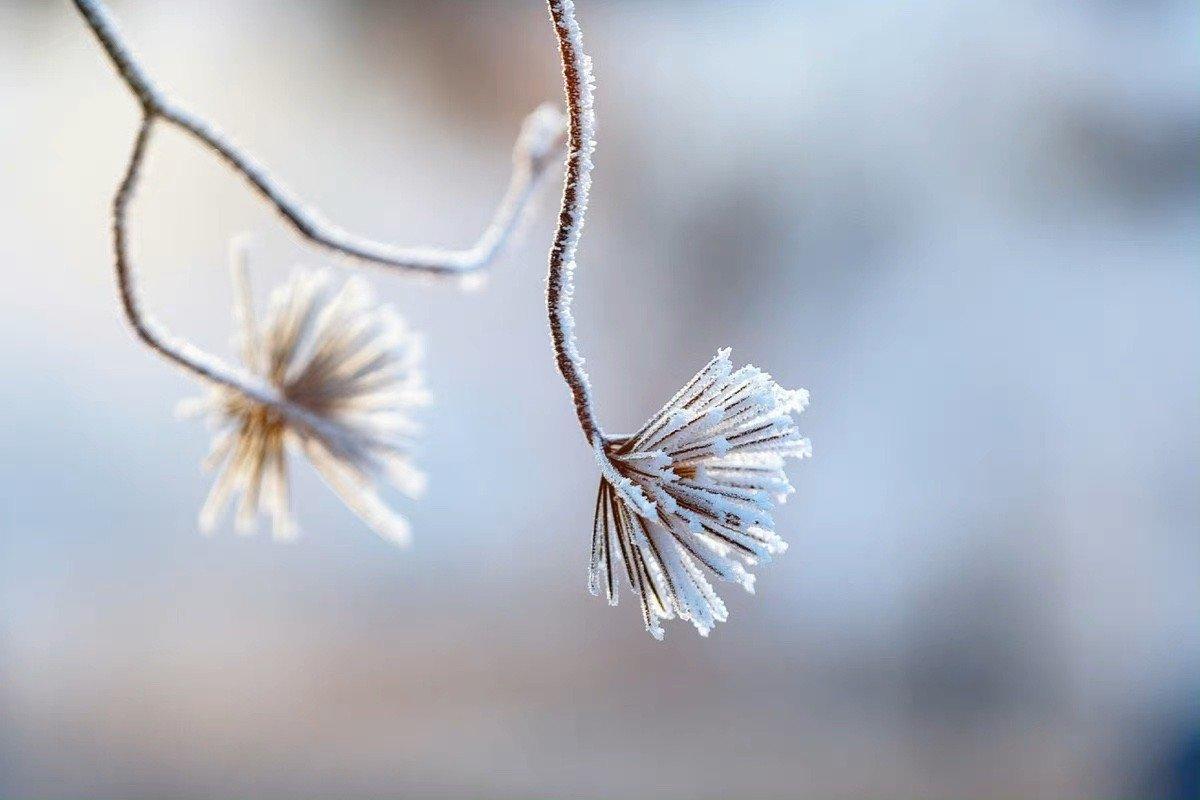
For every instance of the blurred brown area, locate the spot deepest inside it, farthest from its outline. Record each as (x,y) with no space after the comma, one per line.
(969,229)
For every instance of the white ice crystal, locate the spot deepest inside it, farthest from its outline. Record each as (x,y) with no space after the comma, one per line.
(695,487)
(346,371)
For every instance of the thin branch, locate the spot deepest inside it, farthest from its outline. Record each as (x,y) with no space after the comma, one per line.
(180,353)
(541,136)
(560,288)
(539,140)
(184,355)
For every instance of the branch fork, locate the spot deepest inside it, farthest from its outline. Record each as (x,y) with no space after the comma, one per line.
(539,140)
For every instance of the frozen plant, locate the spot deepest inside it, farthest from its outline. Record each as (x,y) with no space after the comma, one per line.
(696,483)
(695,486)
(539,142)
(348,373)
(332,375)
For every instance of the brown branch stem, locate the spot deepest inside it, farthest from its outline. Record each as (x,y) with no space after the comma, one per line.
(560,286)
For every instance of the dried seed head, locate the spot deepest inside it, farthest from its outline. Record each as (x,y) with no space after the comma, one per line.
(696,484)
(346,371)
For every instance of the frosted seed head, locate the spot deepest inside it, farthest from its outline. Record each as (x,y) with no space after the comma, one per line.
(712,460)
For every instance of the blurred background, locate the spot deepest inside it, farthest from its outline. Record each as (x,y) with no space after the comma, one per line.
(970,229)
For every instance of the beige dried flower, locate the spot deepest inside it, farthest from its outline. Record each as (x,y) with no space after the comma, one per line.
(346,373)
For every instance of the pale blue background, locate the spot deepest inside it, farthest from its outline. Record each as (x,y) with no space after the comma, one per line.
(970,229)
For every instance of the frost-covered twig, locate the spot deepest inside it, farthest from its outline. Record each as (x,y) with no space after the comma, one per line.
(560,284)
(184,355)
(534,151)
(540,138)
(694,487)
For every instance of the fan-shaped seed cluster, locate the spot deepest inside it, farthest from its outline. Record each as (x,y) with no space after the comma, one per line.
(694,488)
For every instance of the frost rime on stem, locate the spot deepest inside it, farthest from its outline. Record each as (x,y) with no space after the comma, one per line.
(693,488)
(560,284)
